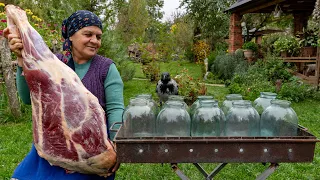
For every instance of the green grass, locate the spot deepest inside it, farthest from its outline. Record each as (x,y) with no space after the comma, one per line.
(174,68)
(15,142)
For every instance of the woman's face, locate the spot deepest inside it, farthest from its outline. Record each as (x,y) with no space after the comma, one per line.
(86,42)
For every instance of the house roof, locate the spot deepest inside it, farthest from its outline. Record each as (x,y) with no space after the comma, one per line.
(268,6)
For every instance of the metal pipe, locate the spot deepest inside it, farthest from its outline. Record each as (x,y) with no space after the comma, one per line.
(176,169)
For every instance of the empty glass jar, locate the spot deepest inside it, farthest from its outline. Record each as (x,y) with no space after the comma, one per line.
(279,119)
(227,104)
(206,119)
(242,120)
(173,120)
(196,104)
(176,98)
(262,102)
(138,119)
(152,103)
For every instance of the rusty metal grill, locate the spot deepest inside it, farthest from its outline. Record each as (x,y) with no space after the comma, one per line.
(298,148)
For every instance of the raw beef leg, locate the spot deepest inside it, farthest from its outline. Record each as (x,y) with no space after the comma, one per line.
(69,125)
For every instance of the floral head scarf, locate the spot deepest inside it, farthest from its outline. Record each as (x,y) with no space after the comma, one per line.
(74,23)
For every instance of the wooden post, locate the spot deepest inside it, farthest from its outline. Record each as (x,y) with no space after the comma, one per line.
(318,67)
(9,78)
(1,80)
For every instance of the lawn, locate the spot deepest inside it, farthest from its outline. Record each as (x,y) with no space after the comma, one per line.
(173,68)
(15,142)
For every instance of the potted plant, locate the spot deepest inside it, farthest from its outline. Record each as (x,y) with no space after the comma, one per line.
(249,48)
(286,46)
(308,43)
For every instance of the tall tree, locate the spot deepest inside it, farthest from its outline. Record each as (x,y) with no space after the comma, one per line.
(155,13)
(154,9)
(57,10)
(133,20)
(210,21)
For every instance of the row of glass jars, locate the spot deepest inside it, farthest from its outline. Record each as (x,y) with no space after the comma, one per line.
(237,117)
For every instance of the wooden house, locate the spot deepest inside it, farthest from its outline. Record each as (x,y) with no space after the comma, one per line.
(301,11)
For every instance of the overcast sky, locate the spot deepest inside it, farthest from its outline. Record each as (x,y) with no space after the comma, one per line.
(169,7)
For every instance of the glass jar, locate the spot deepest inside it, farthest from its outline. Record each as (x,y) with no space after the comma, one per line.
(173,120)
(262,102)
(138,119)
(196,104)
(279,119)
(242,120)
(206,119)
(152,103)
(177,98)
(227,104)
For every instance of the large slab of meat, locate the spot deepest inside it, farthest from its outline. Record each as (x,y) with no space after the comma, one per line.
(69,125)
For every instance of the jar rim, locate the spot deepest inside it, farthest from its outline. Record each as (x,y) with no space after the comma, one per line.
(234,96)
(174,103)
(207,101)
(175,97)
(205,97)
(242,103)
(281,102)
(268,93)
(149,96)
(138,100)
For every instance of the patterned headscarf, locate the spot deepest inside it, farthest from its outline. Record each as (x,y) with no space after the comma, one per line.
(74,23)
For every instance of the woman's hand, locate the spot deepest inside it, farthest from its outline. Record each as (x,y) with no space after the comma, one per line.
(114,169)
(117,165)
(15,44)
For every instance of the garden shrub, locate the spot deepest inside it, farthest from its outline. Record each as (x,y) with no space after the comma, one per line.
(127,70)
(250,45)
(149,53)
(295,90)
(189,54)
(201,50)
(152,71)
(274,68)
(165,53)
(261,77)
(213,79)
(212,56)
(316,95)
(239,52)
(250,83)
(113,48)
(224,65)
(268,42)
(190,88)
(289,44)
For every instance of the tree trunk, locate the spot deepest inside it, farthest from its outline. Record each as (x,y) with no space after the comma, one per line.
(1,80)
(9,78)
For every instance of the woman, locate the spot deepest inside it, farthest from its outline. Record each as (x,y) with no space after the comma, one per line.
(82,32)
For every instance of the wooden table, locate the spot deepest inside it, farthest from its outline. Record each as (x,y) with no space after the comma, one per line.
(301,61)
